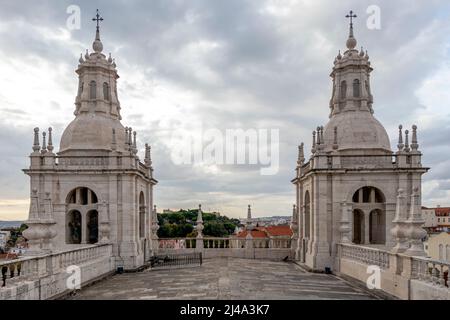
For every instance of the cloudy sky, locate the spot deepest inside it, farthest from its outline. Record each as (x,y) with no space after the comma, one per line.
(251,64)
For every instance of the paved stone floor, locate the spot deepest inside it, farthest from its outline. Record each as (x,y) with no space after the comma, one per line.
(224,279)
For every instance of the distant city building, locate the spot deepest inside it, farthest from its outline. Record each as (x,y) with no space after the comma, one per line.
(438,246)
(436,219)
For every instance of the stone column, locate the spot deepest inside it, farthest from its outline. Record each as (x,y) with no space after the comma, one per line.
(344,227)
(104,227)
(294,238)
(415,222)
(199,228)
(154,230)
(366,227)
(400,225)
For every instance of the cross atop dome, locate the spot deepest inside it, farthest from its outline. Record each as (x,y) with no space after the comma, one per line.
(97,18)
(97,45)
(351,42)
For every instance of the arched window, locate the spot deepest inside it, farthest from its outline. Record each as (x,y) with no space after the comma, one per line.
(93,90)
(106,92)
(368,195)
(356,88)
(81,208)
(307,226)
(343,89)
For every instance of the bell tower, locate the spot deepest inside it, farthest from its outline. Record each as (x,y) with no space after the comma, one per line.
(95,189)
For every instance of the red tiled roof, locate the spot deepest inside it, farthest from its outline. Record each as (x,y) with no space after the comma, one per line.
(279,231)
(266,232)
(442,212)
(254,233)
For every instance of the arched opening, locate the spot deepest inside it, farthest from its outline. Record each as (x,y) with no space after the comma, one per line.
(369,216)
(92,90)
(92,226)
(82,216)
(356,88)
(343,89)
(73,236)
(307,226)
(106,91)
(376,227)
(82,196)
(141,215)
(358,227)
(368,195)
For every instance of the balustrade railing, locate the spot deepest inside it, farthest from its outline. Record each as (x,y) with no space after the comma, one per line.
(432,271)
(367,255)
(223,243)
(31,267)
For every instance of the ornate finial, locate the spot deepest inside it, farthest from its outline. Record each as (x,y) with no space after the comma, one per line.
(322,140)
(110,60)
(319,140)
(339,57)
(148,156)
(36,146)
(367,55)
(335,141)
(361,53)
(400,144)
(313,149)
(114,142)
(114,63)
(351,42)
(50,140)
(130,139)
(407,149)
(134,142)
(86,55)
(44,144)
(414,142)
(301,154)
(97,45)
(81,60)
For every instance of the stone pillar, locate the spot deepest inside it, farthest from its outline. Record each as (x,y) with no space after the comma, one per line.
(344,227)
(294,238)
(154,230)
(366,227)
(199,228)
(400,225)
(104,227)
(415,222)
(84,235)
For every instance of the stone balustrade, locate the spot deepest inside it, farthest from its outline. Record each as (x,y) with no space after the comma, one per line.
(432,271)
(400,275)
(366,255)
(45,276)
(212,247)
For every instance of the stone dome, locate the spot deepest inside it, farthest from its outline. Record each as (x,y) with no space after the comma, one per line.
(92,132)
(356,130)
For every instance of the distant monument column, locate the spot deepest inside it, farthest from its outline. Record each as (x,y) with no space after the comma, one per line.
(199,228)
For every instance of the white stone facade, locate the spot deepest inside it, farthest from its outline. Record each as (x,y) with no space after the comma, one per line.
(95,189)
(347,190)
